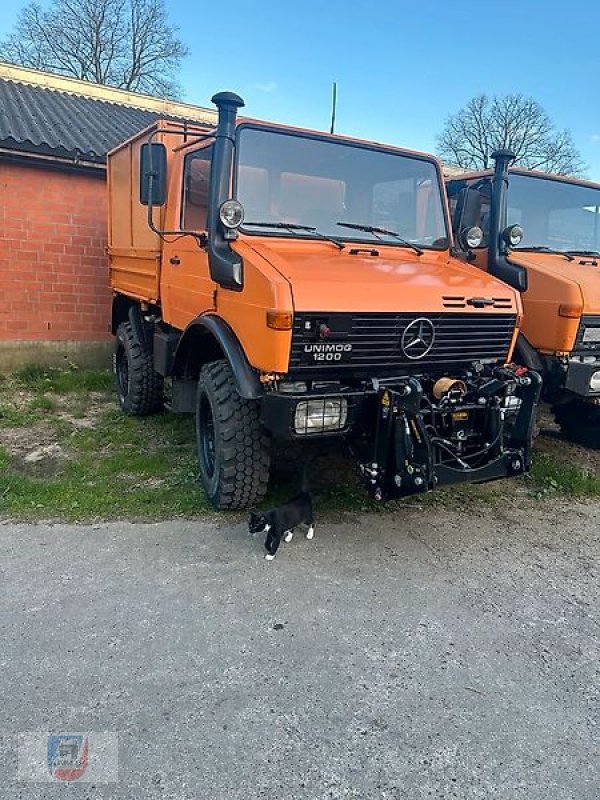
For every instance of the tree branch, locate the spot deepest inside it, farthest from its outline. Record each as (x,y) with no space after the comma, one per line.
(124,43)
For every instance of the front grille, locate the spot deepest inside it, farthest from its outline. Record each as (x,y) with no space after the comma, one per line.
(370,343)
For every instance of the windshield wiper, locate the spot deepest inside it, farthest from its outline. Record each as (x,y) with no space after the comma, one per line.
(292,226)
(542,249)
(593,253)
(375,231)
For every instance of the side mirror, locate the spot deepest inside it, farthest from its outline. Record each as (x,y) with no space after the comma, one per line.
(512,236)
(153,171)
(467,211)
(470,238)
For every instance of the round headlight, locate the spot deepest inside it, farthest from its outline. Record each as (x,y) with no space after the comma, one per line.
(473,237)
(595,382)
(513,235)
(231,214)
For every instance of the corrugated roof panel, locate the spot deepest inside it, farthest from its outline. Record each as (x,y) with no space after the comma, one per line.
(36,119)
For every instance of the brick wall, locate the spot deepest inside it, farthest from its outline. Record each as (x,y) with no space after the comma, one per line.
(53,264)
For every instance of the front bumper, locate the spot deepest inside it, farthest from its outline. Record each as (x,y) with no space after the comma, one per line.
(578,377)
(574,374)
(408,443)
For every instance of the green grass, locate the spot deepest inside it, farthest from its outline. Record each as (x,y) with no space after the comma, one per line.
(121,468)
(4,458)
(550,475)
(113,467)
(13,415)
(77,498)
(43,403)
(117,467)
(63,381)
(29,395)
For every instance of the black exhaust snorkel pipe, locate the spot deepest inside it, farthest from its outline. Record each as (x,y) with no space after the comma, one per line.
(503,159)
(226,267)
(498,264)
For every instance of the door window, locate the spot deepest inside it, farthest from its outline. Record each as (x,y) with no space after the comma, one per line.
(196,176)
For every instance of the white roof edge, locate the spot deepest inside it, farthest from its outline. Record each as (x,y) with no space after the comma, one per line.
(96,91)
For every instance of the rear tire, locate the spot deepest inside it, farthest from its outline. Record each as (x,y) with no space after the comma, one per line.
(233,448)
(140,389)
(580,422)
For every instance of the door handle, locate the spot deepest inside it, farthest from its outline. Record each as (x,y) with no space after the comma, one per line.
(175,260)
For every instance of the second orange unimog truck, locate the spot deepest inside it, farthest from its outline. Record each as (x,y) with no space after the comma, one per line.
(541,233)
(289,284)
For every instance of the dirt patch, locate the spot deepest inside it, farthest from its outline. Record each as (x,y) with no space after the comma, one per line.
(569,453)
(84,419)
(34,451)
(43,462)
(37,442)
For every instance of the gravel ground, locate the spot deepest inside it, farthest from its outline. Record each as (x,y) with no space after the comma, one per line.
(421,654)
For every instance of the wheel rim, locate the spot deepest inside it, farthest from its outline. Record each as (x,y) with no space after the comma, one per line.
(206,436)
(122,373)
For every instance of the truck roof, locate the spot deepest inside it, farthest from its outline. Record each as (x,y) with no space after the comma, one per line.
(336,137)
(197,130)
(535,173)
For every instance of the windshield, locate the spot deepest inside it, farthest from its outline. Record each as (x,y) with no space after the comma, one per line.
(317,183)
(554,214)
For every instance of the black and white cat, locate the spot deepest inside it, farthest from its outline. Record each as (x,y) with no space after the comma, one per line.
(279,523)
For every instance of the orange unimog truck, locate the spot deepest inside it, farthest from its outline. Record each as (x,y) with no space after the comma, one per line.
(541,234)
(287,284)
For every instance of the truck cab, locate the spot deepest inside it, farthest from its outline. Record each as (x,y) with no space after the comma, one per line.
(545,231)
(282,283)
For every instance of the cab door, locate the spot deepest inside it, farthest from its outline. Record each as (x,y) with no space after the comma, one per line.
(187,289)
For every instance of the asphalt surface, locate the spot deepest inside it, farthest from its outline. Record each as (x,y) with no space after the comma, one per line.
(420,654)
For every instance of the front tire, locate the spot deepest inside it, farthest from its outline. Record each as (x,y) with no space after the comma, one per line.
(580,422)
(140,389)
(233,449)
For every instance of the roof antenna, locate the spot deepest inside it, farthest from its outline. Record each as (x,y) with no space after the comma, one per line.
(333,106)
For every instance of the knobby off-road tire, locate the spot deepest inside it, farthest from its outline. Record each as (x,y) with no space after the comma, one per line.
(139,387)
(233,449)
(579,422)
(536,428)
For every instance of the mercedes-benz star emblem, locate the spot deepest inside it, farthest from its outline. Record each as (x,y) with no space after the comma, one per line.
(418,338)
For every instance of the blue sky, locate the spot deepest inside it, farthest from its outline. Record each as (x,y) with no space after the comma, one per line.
(401,66)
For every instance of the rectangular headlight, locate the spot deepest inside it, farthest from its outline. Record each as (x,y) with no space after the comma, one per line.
(319,416)
(591,335)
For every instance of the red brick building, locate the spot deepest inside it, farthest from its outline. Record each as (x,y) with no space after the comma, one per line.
(54,136)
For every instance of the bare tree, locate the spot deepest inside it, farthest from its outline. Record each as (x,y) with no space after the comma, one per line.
(124,43)
(512,122)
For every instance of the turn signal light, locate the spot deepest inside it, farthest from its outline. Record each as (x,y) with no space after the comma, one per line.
(280,320)
(570,310)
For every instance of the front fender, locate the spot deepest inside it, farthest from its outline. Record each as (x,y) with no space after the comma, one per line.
(246,379)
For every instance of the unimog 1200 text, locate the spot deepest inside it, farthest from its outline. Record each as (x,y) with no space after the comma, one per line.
(288,284)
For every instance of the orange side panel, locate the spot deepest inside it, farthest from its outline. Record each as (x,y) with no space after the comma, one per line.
(135,273)
(265,289)
(134,249)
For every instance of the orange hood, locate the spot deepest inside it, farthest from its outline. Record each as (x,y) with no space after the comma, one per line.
(322,277)
(583,275)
